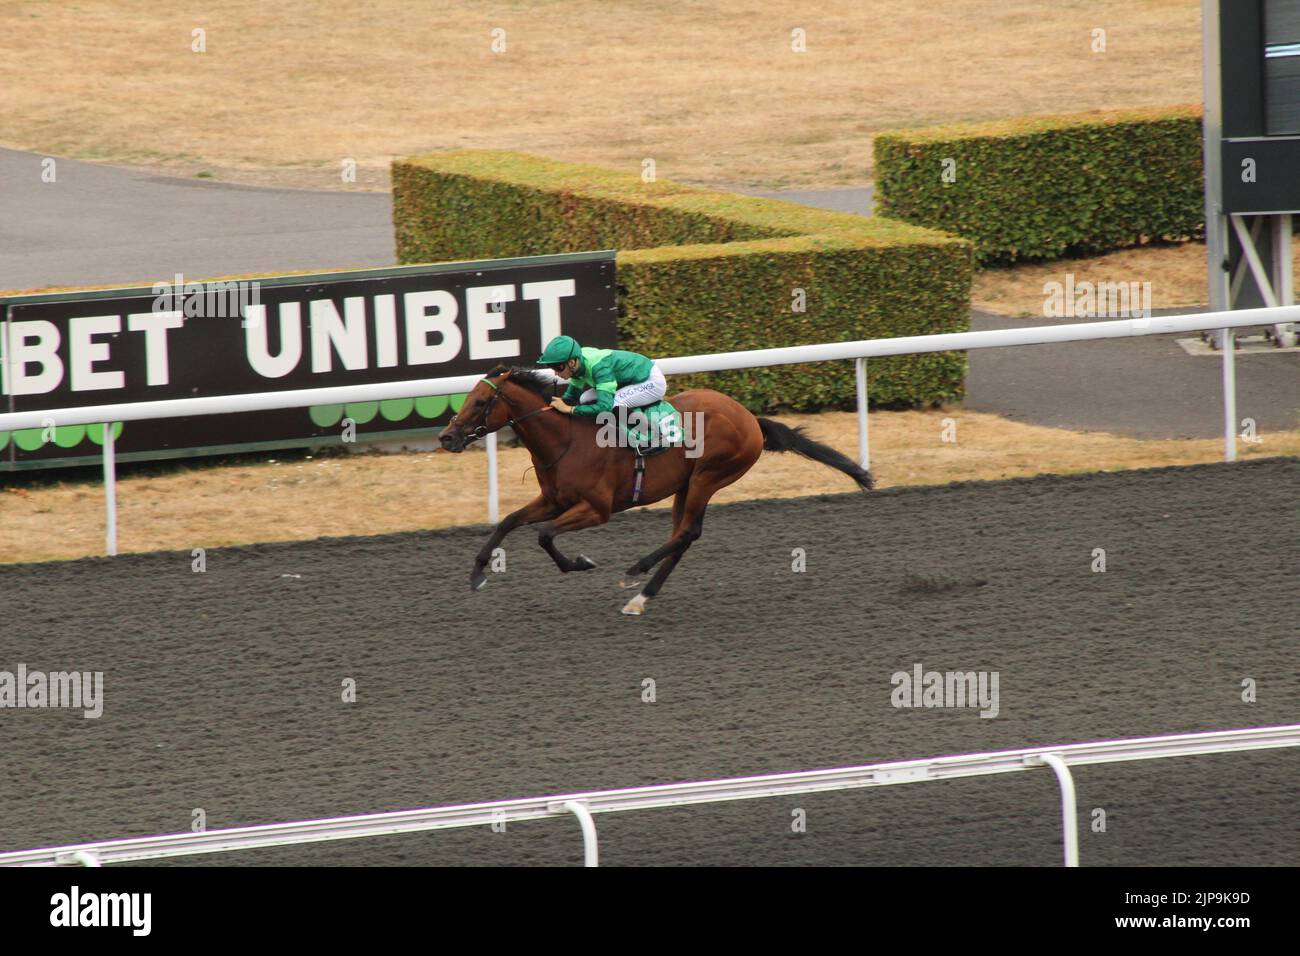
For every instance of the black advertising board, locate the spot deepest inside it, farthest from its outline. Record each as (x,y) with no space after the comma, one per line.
(179,340)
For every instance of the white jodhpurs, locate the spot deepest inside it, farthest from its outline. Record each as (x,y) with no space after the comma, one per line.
(648,392)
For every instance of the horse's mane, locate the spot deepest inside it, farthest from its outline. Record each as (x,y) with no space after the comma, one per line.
(537,380)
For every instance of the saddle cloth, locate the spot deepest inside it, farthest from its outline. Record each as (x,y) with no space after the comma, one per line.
(651,429)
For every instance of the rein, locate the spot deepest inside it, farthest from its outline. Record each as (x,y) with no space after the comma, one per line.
(480,430)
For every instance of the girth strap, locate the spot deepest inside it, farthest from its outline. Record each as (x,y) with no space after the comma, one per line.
(639,474)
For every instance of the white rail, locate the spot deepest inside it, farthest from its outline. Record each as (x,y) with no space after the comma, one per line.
(716,362)
(585,805)
(722,361)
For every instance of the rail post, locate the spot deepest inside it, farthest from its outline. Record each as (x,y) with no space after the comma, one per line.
(1069,812)
(864,448)
(494,507)
(590,850)
(110,491)
(1229,396)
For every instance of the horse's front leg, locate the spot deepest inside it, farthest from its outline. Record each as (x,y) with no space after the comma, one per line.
(539,509)
(582,515)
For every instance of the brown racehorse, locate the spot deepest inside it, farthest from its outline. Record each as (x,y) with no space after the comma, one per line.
(583,483)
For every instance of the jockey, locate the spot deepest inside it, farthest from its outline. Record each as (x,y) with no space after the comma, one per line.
(601,379)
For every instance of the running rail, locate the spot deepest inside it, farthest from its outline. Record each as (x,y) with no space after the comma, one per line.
(859,351)
(716,362)
(585,805)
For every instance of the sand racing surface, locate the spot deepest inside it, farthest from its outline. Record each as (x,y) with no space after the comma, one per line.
(223,689)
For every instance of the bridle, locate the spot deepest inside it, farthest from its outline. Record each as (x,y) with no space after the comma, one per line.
(480,430)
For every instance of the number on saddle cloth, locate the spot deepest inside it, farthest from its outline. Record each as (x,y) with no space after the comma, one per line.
(652,428)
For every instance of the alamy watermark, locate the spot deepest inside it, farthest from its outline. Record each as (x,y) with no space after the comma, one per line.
(23,688)
(1106,300)
(686,430)
(205,299)
(76,908)
(922,688)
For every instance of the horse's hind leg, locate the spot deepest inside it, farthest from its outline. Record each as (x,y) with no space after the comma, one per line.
(645,564)
(581,515)
(686,531)
(638,603)
(671,545)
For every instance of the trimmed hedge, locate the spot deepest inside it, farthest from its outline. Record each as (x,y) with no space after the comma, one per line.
(702,271)
(1045,187)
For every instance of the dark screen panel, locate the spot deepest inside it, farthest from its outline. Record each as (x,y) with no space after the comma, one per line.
(1241,43)
(1282,67)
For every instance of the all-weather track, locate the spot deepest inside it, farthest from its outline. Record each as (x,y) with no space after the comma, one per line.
(223,689)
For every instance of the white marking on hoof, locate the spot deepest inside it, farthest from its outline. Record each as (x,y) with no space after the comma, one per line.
(636,605)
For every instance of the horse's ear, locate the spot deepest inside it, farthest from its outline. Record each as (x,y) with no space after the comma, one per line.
(497,370)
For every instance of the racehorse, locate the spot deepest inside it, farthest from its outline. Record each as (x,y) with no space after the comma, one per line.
(583,483)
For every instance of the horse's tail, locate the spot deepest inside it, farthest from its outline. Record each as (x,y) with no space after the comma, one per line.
(778,437)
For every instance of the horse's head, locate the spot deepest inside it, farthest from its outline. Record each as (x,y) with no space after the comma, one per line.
(502,396)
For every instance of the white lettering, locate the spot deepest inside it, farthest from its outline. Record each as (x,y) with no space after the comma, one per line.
(482,321)
(255,340)
(83,352)
(548,295)
(419,323)
(44,352)
(385,331)
(331,333)
(75,909)
(155,325)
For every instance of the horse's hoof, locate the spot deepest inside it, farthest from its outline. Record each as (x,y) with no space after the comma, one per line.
(583,563)
(625,584)
(636,606)
(477,582)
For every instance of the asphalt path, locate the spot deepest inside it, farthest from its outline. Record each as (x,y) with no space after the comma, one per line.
(858,199)
(1144,386)
(97,225)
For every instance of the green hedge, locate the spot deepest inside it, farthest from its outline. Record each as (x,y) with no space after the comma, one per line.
(1044,187)
(702,271)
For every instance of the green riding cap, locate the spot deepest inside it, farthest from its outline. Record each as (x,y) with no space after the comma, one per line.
(560,349)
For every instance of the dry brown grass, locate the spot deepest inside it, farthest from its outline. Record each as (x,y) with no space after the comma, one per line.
(711,91)
(374,494)
(1176,274)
